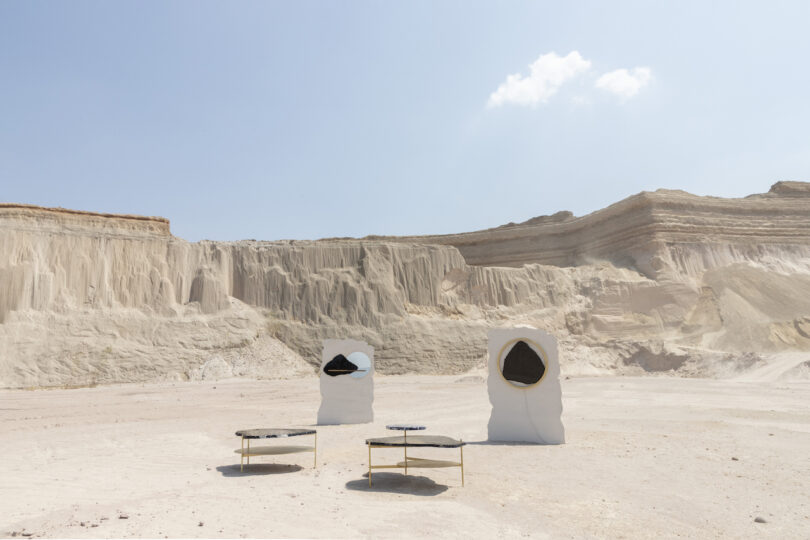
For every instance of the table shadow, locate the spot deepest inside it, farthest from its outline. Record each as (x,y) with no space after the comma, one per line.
(258,469)
(398,483)
(505,443)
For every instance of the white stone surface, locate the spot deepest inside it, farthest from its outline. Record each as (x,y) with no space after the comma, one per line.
(525,413)
(349,398)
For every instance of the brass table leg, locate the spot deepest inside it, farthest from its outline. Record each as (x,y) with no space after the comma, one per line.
(248,456)
(406,451)
(242,456)
(369,464)
(461,449)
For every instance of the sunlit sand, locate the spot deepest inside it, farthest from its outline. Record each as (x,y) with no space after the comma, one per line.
(644,458)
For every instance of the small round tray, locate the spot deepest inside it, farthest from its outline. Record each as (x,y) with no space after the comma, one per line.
(405,427)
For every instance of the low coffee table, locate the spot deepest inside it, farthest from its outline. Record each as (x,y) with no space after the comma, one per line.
(248,434)
(417,441)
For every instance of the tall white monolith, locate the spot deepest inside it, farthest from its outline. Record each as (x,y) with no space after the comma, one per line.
(524,387)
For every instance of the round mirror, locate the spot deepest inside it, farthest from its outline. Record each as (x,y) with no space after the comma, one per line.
(522,363)
(363,364)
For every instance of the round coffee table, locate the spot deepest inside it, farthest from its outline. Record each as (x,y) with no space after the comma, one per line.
(273,433)
(416,441)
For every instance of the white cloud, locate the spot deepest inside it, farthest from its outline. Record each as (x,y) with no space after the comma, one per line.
(624,83)
(546,75)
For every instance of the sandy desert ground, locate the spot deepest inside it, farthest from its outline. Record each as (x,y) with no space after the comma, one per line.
(646,458)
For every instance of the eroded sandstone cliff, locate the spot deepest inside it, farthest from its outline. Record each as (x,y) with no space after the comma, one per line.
(658,282)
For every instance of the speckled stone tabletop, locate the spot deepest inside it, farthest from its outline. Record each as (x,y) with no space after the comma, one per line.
(272,433)
(437,441)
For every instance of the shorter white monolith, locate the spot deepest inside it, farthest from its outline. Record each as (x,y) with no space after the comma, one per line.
(347,382)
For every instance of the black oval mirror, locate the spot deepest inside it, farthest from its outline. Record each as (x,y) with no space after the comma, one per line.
(523,365)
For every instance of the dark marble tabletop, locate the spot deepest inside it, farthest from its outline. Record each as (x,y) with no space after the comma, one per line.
(272,433)
(405,427)
(437,441)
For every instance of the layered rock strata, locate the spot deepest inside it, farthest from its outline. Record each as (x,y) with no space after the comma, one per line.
(651,232)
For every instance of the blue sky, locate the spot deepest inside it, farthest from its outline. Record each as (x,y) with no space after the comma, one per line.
(307,120)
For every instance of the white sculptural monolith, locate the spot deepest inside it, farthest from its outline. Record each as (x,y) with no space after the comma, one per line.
(347,382)
(524,387)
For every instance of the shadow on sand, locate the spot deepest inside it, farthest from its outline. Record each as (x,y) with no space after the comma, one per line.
(258,469)
(505,443)
(398,483)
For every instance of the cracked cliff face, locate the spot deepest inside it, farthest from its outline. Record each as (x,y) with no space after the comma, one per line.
(660,276)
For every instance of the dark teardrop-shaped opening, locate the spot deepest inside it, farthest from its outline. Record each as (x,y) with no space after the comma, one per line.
(339,365)
(523,365)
